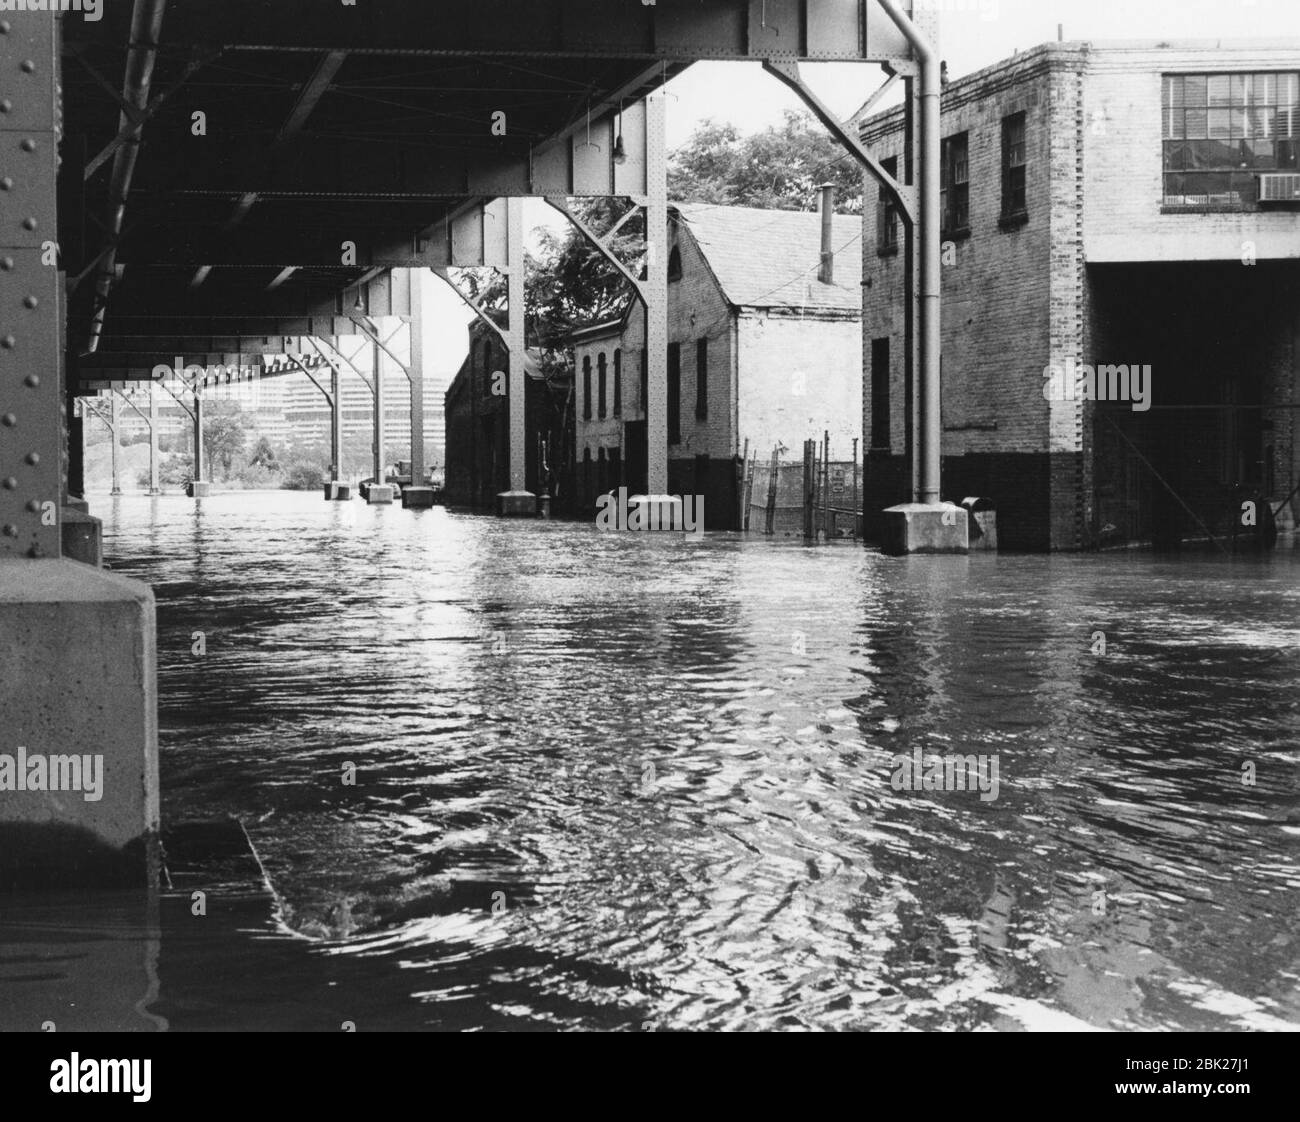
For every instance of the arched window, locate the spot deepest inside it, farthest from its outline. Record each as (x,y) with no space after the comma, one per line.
(586,387)
(675,265)
(600,383)
(618,383)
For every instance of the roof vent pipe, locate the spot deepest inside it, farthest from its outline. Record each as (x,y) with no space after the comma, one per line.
(826,274)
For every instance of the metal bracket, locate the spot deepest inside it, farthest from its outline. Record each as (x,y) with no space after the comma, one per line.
(904,196)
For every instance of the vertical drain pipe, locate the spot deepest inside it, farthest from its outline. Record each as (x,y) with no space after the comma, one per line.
(930,428)
(146,32)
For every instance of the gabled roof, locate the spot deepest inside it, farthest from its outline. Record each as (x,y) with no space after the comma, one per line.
(770,258)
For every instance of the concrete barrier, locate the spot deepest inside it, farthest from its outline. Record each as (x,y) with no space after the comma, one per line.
(517,504)
(78,724)
(379,493)
(417,498)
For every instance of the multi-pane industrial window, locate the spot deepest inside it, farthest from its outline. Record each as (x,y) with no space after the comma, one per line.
(887,211)
(674,393)
(954,184)
(645,383)
(601,377)
(1221,129)
(675,265)
(618,383)
(1014,159)
(586,387)
(702,379)
(880,394)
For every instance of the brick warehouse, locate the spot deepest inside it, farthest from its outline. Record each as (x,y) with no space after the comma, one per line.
(1124,204)
(478,426)
(761,349)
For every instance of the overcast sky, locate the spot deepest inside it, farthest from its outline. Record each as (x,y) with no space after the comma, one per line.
(973,34)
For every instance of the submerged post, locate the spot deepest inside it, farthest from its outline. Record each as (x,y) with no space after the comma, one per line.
(379,492)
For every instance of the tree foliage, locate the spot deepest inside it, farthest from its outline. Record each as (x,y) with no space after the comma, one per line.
(779,168)
(225,430)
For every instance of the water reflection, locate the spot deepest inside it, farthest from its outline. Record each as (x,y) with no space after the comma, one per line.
(627,781)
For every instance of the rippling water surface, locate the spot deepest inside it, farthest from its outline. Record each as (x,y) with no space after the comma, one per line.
(625,781)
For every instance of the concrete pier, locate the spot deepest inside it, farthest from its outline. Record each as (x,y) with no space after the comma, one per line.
(379,494)
(79,735)
(926,528)
(198,489)
(417,498)
(517,504)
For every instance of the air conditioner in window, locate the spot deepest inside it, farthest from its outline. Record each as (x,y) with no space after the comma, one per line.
(1279,188)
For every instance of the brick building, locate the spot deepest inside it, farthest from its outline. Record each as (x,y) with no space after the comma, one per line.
(477,413)
(760,349)
(1105,205)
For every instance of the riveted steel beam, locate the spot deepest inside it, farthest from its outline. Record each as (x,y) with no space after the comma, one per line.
(31,292)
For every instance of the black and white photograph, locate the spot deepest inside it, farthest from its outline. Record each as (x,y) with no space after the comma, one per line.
(650,516)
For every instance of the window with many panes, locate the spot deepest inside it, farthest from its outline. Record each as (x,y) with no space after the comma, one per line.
(1221,130)
(586,387)
(1014,162)
(887,212)
(954,185)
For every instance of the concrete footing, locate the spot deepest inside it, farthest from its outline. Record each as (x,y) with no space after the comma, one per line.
(517,504)
(198,488)
(379,494)
(83,537)
(342,492)
(656,512)
(417,498)
(79,741)
(924,528)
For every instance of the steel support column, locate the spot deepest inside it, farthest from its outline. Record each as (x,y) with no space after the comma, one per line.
(198,433)
(656,299)
(31,344)
(114,428)
(154,488)
(336,425)
(518,499)
(377,394)
(422,350)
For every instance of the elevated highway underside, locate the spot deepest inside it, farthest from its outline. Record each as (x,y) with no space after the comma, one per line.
(212,180)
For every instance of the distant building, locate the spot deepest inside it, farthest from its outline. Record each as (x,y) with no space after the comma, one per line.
(478,427)
(1109,210)
(760,350)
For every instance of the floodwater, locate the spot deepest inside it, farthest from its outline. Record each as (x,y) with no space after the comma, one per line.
(527,775)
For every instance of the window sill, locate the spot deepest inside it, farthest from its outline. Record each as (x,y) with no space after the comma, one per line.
(1014,221)
(887,251)
(958,235)
(1208,208)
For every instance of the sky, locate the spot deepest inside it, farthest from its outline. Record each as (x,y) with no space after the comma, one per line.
(973,34)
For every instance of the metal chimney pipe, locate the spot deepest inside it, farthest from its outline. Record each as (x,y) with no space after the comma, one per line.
(826,274)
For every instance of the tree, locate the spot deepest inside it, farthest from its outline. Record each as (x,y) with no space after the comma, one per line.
(779,168)
(225,430)
(264,455)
